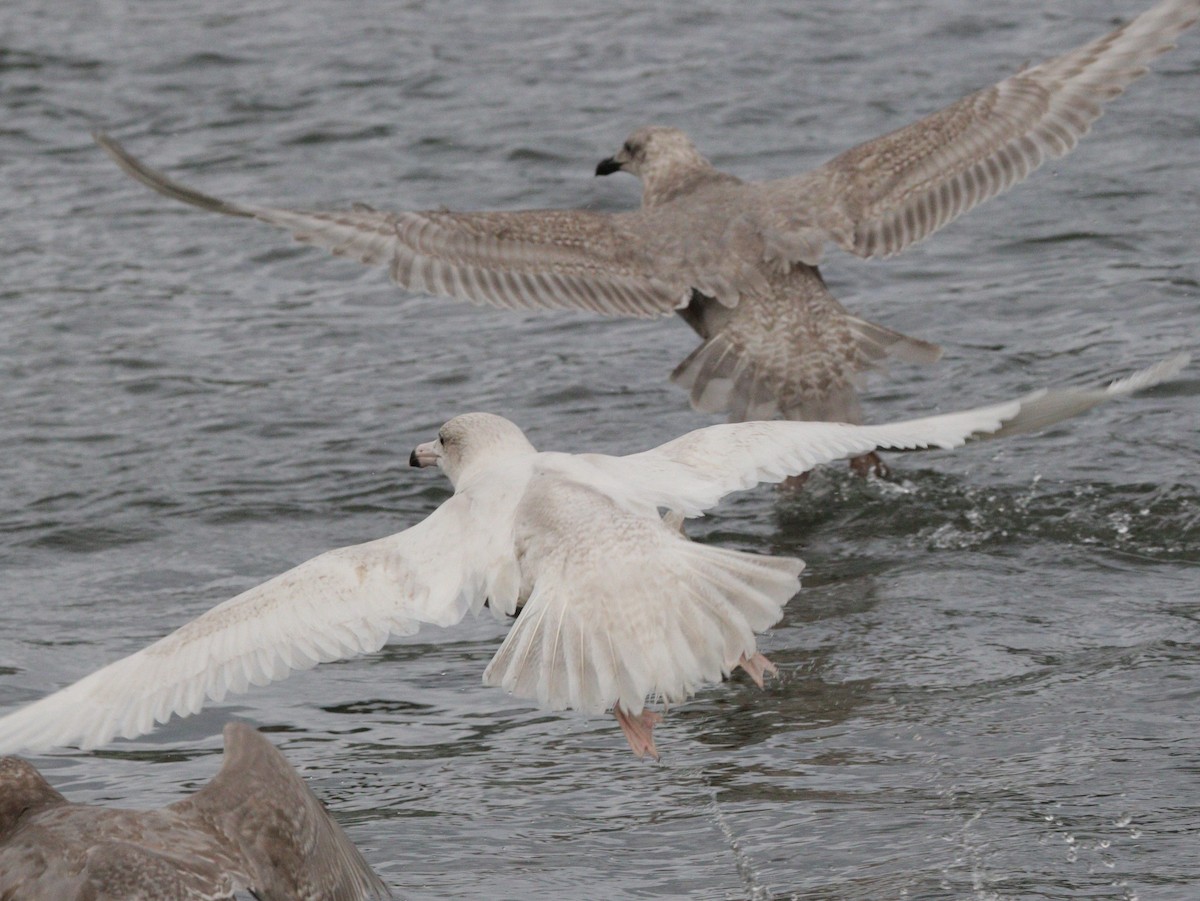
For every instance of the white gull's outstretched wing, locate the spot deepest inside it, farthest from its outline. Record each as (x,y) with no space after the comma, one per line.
(693,472)
(340,604)
(522,259)
(881,196)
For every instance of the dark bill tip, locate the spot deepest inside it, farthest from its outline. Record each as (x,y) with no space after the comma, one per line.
(607,167)
(412,459)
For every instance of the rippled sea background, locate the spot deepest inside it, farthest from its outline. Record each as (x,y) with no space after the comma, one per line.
(990,683)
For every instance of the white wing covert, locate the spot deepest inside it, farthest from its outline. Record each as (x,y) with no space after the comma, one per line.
(340,604)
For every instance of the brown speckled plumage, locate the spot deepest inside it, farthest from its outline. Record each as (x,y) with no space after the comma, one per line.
(738,259)
(255,826)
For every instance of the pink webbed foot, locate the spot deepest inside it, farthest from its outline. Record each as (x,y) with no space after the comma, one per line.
(865,464)
(757,667)
(639,731)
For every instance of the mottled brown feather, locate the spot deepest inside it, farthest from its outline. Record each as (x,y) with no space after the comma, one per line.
(738,245)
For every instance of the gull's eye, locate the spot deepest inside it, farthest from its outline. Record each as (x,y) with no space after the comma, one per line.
(628,148)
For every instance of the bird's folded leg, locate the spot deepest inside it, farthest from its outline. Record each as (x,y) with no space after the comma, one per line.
(639,731)
(864,464)
(794,484)
(757,667)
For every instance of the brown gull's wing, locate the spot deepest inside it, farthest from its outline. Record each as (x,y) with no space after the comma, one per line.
(522,259)
(292,847)
(876,199)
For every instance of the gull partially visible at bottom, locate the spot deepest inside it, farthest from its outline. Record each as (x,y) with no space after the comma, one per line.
(255,827)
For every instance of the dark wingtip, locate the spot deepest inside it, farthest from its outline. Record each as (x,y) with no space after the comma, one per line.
(159,182)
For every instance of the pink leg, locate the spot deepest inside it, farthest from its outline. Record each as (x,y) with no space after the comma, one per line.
(757,667)
(639,731)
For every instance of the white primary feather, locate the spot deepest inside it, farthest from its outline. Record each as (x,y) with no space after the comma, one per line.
(693,472)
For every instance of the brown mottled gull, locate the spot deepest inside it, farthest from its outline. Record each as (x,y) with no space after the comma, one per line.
(617,605)
(255,827)
(737,260)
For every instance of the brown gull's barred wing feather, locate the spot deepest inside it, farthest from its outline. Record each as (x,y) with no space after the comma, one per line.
(881,196)
(266,811)
(523,259)
(256,827)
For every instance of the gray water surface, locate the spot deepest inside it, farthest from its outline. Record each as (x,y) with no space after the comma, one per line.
(989,684)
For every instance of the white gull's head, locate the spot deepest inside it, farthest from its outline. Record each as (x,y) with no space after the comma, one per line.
(468,441)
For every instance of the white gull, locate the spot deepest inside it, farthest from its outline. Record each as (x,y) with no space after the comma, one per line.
(617,606)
